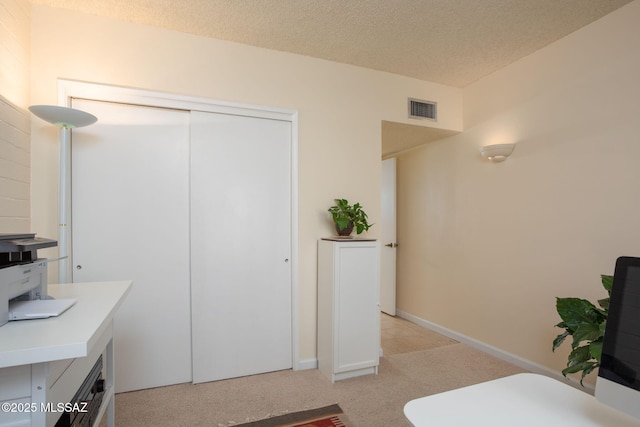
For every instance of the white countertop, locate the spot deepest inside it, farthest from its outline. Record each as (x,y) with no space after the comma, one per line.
(69,335)
(522,400)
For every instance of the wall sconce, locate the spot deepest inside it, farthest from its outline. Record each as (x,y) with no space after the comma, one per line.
(497,152)
(65,119)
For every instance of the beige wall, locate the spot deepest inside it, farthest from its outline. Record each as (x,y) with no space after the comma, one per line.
(485,248)
(15,144)
(340,111)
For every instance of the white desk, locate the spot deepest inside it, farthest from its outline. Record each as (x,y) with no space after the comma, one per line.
(523,400)
(46,360)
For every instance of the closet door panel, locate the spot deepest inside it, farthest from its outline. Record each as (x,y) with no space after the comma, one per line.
(131,221)
(240,245)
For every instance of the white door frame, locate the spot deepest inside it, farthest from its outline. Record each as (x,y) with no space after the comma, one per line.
(68,89)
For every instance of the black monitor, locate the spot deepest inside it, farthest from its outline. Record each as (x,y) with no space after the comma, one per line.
(618,382)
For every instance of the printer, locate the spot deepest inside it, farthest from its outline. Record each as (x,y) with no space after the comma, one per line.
(23,276)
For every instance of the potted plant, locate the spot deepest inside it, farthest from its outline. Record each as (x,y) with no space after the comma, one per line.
(346,217)
(585,323)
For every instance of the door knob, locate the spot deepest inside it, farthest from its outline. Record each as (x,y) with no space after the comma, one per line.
(78,267)
(392,245)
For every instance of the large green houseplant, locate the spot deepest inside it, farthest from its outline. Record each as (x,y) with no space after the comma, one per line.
(346,217)
(585,323)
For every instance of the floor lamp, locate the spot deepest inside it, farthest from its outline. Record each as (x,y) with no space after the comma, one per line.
(65,119)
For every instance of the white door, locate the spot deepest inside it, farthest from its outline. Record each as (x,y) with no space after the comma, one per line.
(388,238)
(130,220)
(241,245)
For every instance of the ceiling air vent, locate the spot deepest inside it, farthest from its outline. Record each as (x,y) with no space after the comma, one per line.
(422,109)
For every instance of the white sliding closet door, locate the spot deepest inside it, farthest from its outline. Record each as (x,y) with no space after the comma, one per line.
(240,245)
(131,221)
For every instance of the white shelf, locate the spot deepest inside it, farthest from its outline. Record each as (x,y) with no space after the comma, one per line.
(68,336)
(104,406)
(348,308)
(46,360)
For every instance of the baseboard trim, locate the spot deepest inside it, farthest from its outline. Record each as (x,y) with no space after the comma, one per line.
(306,364)
(494,351)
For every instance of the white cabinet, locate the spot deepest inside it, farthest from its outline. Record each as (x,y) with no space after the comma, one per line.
(43,362)
(348,307)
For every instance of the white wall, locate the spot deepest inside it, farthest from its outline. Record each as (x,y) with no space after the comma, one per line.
(485,248)
(15,157)
(340,111)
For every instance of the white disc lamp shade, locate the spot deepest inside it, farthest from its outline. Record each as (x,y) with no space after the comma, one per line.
(65,119)
(497,152)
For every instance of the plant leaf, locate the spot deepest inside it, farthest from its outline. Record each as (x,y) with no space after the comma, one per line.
(586,323)
(579,355)
(595,349)
(343,214)
(587,370)
(574,311)
(585,367)
(604,303)
(559,340)
(561,325)
(607,282)
(579,367)
(586,332)
(342,223)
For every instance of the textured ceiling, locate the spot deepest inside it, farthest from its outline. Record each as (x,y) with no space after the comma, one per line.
(453,42)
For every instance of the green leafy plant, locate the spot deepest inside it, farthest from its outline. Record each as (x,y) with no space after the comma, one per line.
(585,323)
(346,217)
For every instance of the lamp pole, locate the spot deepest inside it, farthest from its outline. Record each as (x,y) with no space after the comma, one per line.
(65,119)
(64,206)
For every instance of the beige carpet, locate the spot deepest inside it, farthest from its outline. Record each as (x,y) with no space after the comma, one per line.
(417,363)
